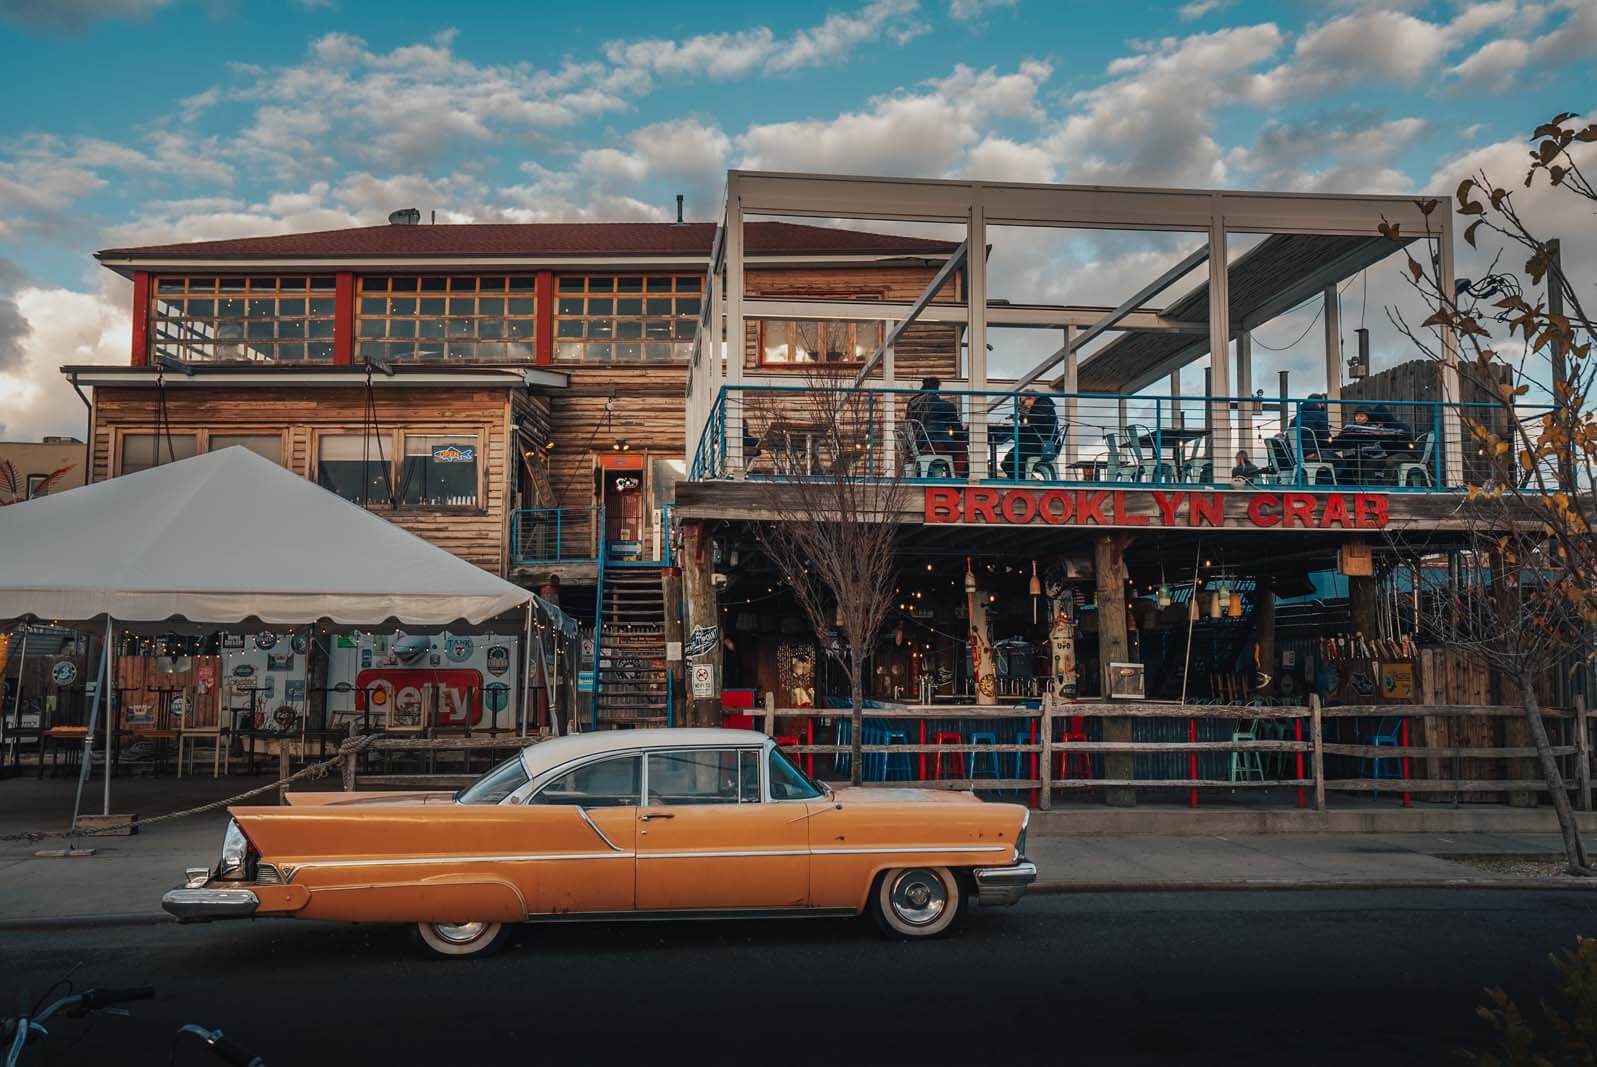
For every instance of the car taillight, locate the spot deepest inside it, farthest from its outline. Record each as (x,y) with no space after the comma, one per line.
(238,855)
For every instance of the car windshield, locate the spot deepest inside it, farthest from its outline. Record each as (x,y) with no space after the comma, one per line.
(497,784)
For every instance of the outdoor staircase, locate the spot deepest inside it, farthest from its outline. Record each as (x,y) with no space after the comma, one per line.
(632,678)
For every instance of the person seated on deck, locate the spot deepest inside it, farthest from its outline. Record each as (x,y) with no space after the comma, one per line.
(1361,446)
(937,427)
(1034,436)
(1398,441)
(1245,472)
(1315,421)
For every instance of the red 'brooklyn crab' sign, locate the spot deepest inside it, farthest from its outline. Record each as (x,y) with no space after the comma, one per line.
(990,505)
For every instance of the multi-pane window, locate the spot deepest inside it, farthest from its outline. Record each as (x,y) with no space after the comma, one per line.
(818,342)
(435,318)
(266,445)
(141,451)
(244,318)
(439,471)
(627,317)
(355,467)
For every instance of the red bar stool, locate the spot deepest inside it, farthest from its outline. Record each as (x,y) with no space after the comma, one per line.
(948,737)
(1077,762)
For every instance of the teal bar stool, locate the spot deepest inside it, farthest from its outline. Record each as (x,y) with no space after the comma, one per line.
(1247,766)
(984,737)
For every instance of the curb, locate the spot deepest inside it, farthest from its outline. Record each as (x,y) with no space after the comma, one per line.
(56,922)
(1319,886)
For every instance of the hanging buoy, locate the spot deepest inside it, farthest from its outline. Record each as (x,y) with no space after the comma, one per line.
(1036,592)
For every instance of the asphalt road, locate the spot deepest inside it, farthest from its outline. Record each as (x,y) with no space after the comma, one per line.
(1389,977)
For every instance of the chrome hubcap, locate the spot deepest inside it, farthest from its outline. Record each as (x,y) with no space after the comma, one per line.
(459,933)
(918,897)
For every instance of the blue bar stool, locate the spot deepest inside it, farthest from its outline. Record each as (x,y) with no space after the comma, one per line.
(984,737)
(895,764)
(845,734)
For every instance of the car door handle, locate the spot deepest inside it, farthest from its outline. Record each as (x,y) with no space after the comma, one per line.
(659,815)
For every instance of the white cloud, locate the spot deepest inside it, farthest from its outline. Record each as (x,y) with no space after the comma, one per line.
(1381,45)
(1199,8)
(73,16)
(1334,153)
(733,55)
(965,10)
(1492,66)
(65,326)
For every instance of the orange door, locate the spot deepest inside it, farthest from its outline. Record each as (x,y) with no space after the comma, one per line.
(706,840)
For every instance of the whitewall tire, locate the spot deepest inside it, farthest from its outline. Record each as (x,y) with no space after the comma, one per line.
(913,903)
(461,940)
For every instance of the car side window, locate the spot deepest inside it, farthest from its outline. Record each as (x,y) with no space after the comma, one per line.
(704,776)
(606,783)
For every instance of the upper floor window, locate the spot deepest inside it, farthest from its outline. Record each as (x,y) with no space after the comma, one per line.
(609,317)
(818,342)
(435,318)
(234,317)
(141,451)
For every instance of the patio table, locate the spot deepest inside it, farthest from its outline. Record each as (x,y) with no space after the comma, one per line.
(1175,439)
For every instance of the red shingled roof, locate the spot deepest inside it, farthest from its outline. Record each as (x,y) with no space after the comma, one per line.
(538,239)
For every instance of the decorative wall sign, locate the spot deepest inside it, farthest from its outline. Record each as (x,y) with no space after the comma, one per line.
(454,453)
(702,641)
(232,641)
(294,689)
(458,649)
(280,661)
(498,660)
(988,505)
(496,696)
(265,640)
(65,672)
(1397,681)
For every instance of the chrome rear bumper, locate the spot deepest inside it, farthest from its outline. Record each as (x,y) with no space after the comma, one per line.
(210,903)
(998,887)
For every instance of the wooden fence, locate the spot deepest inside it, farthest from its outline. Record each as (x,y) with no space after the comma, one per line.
(1306,750)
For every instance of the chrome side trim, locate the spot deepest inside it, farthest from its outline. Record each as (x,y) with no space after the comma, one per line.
(747,853)
(709,913)
(595,828)
(210,903)
(536,857)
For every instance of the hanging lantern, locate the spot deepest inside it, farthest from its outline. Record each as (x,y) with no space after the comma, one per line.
(1164,595)
(1224,595)
(1036,592)
(1214,605)
(970,577)
(898,634)
(838,618)
(1235,608)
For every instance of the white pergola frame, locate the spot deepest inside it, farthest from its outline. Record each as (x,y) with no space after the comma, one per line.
(976,205)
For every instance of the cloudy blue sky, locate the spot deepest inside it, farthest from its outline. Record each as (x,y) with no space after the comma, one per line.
(136,121)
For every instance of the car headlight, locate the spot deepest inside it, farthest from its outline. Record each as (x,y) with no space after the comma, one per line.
(235,852)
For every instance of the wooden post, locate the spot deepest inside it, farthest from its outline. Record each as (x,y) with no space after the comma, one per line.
(703,645)
(983,664)
(1264,630)
(1333,357)
(282,771)
(671,589)
(1317,738)
(1114,646)
(1046,772)
(770,714)
(1582,753)
(346,771)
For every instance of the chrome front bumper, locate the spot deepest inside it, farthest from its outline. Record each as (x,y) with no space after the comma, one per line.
(192,904)
(999,887)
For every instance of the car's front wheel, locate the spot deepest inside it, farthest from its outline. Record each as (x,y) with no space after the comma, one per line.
(459,940)
(917,902)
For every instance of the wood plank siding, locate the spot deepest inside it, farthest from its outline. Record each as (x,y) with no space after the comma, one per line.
(477,534)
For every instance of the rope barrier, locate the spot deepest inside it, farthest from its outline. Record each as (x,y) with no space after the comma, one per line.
(350,747)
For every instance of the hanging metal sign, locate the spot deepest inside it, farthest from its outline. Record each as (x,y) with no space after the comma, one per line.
(454,453)
(989,505)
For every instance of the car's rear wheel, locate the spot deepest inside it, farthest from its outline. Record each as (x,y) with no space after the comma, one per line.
(917,902)
(459,940)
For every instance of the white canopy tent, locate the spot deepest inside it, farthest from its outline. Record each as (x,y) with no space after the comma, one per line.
(223,538)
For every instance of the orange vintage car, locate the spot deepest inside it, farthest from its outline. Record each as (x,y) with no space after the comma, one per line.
(639,824)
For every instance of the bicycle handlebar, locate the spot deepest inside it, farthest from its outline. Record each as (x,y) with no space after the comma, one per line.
(90,999)
(223,1047)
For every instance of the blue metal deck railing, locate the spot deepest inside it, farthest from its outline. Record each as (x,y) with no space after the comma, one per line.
(794,431)
(554,535)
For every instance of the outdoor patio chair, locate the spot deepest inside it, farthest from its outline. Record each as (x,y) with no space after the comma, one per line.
(918,464)
(1281,469)
(1388,734)
(1422,469)
(1247,765)
(1045,465)
(1120,464)
(1149,468)
(1306,442)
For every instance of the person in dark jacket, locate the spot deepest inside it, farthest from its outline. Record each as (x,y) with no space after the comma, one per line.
(1034,436)
(935,422)
(1315,421)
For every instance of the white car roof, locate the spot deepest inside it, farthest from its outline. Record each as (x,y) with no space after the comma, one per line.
(561,750)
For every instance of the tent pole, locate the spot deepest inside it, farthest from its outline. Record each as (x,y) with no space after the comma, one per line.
(526,671)
(88,738)
(109,673)
(16,698)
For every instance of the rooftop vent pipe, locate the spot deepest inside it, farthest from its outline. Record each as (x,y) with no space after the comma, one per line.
(679,221)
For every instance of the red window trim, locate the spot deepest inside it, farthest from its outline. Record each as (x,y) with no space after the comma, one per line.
(141,319)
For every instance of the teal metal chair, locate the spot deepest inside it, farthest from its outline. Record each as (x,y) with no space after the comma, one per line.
(1417,474)
(1247,766)
(1120,464)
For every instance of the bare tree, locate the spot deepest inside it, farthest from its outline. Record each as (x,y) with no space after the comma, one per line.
(831,486)
(1531,500)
